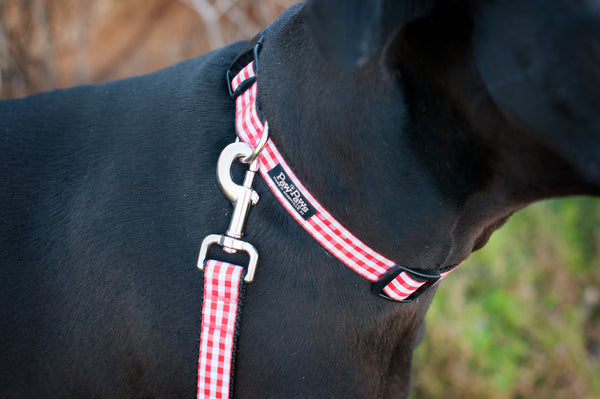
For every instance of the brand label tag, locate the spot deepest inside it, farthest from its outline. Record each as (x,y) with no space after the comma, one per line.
(291,193)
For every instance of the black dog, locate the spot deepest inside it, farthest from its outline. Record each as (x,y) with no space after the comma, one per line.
(421,126)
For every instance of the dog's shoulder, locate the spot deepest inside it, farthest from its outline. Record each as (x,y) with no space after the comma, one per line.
(56,121)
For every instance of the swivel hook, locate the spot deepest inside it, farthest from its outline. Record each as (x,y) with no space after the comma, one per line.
(241,196)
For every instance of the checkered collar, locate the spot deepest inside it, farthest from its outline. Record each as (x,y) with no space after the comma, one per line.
(389,279)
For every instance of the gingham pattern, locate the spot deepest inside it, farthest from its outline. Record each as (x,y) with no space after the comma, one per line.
(322,226)
(219,314)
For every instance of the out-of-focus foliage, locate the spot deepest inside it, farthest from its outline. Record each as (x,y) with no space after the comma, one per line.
(45,44)
(521,318)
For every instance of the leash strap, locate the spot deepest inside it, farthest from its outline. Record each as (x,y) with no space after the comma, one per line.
(223,294)
(390,280)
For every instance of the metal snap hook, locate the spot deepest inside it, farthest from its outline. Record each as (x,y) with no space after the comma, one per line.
(233,191)
(241,196)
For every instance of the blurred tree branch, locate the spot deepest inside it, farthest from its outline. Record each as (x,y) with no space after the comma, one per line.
(212,15)
(47,44)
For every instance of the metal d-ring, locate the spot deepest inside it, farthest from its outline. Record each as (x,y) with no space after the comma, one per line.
(259,146)
(231,243)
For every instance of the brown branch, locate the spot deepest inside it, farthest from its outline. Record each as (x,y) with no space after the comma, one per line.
(134,42)
(238,17)
(40,20)
(210,16)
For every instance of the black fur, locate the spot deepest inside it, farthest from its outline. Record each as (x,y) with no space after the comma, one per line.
(454,115)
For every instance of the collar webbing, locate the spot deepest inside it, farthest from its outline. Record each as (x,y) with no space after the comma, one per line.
(390,280)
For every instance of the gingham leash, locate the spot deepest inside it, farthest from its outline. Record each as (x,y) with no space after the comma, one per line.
(224,282)
(223,291)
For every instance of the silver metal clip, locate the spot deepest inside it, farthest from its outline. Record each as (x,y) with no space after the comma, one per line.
(241,196)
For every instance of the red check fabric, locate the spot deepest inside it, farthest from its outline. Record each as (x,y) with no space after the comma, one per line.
(321,224)
(222,286)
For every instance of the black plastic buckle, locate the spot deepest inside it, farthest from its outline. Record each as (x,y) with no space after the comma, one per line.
(253,47)
(430,276)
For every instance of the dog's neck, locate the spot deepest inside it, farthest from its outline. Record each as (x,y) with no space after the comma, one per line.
(417,189)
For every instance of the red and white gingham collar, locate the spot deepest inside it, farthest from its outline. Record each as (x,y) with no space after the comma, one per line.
(390,280)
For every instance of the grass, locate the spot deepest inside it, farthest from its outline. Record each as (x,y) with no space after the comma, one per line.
(521,318)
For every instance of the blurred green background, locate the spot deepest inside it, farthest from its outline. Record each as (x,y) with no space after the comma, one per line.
(521,317)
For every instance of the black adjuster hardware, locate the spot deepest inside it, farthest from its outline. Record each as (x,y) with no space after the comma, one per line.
(430,276)
(242,87)
(253,47)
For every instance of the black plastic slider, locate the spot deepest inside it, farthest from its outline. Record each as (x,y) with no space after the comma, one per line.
(248,54)
(429,276)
